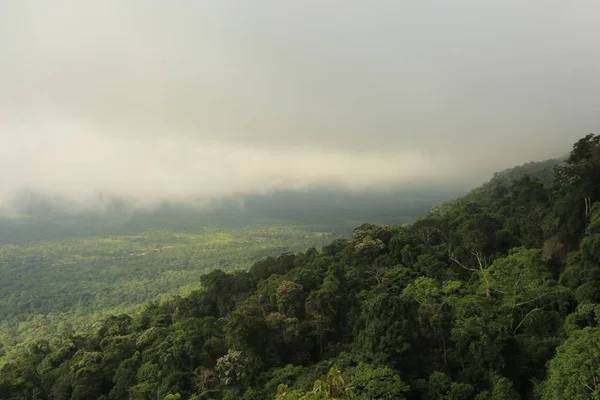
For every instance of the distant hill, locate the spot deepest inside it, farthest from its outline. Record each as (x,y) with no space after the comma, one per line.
(42,217)
(542,170)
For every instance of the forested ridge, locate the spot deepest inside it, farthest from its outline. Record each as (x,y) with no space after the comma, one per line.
(495,295)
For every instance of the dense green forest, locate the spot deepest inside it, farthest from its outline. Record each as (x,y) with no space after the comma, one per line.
(63,270)
(495,295)
(72,283)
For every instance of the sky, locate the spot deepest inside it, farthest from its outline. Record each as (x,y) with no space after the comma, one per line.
(176,99)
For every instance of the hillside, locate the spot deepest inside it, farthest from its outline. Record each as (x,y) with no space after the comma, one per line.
(67,268)
(494,295)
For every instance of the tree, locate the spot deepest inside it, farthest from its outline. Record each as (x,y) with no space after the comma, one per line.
(433,297)
(502,389)
(440,386)
(574,373)
(326,307)
(386,337)
(524,282)
(124,378)
(476,233)
(289,298)
(333,388)
(581,171)
(376,382)
(232,368)
(583,267)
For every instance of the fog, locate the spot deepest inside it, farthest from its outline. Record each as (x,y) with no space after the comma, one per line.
(159,100)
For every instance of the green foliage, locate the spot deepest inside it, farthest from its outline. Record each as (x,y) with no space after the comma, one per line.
(502,389)
(582,274)
(373,382)
(524,283)
(491,296)
(440,386)
(71,284)
(575,371)
(232,368)
(333,388)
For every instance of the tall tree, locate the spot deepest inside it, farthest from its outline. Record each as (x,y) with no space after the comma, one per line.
(581,171)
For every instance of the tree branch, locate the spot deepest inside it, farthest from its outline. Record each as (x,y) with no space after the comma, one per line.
(528,314)
(536,298)
(524,318)
(453,258)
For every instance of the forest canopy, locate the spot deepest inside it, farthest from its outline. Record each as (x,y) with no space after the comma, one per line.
(495,295)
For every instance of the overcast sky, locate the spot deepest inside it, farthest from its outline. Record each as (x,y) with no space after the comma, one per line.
(170,99)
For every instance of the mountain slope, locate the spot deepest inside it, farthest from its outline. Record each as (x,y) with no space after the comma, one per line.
(475,300)
(65,267)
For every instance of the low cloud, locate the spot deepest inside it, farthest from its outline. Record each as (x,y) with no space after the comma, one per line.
(178,100)
(75,163)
